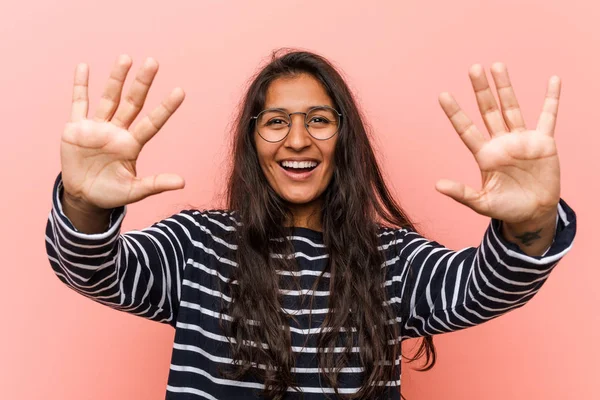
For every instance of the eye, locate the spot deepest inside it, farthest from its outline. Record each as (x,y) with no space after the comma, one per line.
(276,121)
(319,120)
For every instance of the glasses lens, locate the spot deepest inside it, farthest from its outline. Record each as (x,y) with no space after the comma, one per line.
(322,122)
(273,125)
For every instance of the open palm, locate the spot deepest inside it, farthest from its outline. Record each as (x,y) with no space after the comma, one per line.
(520,171)
(98,156)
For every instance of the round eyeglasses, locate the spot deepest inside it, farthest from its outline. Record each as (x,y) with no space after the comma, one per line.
(321,122)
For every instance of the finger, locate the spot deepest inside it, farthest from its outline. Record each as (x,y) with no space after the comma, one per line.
(151,185)
(462,193)
(547,119)
(113,89)
(80,103)
(152,123)
(130,108)
(465,128)
(486,101)
(508,100)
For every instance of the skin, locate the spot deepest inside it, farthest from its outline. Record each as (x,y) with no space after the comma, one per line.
(298,94)
(520,171)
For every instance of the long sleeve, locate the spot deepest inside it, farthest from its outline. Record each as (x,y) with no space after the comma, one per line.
(139,272)
(441,290)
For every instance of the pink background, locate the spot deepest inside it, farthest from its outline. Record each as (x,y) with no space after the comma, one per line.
(397,56)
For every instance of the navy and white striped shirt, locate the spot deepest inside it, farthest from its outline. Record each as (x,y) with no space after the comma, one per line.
(176,271)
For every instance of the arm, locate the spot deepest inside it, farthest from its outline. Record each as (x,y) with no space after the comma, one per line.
(534,238)
(441,290)
(84,218)
(139,272)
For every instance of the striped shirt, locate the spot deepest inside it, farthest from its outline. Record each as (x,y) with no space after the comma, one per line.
(175,272)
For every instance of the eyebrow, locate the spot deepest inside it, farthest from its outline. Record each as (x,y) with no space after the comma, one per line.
(288,111)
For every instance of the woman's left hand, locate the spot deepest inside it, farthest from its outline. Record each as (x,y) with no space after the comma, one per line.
(520,171)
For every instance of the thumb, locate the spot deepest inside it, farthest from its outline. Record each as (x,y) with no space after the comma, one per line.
(461,193)
(151,185)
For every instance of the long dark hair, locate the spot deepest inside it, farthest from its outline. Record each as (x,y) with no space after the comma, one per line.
(355,204)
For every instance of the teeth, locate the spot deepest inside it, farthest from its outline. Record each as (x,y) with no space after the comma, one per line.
(299,164)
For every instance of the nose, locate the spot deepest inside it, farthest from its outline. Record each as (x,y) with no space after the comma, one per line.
(298,138)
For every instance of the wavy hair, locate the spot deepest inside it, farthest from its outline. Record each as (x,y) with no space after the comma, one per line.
(355,205)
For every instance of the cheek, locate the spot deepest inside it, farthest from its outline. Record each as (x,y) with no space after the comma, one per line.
(329,157)
(262,151)
(266,157)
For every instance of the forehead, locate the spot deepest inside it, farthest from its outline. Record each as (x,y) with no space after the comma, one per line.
(296,93)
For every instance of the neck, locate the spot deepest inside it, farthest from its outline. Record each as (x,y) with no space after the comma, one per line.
(306,215)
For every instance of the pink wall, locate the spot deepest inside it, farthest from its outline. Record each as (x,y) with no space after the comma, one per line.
(398,56)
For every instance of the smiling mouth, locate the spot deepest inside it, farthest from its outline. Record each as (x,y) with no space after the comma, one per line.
(298,166)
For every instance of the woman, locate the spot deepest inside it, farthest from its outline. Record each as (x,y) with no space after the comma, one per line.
(306,286)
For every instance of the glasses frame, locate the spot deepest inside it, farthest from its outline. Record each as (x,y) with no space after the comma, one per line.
(255,118)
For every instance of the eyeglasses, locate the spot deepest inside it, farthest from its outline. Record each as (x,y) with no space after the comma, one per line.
(321,122)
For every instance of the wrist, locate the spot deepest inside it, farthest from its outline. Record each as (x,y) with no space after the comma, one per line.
(82,206)
(545,220)
(533,237)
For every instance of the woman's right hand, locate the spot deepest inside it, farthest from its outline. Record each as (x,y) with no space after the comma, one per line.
(98,156)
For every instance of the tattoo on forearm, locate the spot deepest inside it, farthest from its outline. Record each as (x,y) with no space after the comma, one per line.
(528,238)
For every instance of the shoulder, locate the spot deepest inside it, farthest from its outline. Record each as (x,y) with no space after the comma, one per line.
(225,219)
(215,233)
(385,232)
(219,221)
(387,237)
(394,239)
(203,224)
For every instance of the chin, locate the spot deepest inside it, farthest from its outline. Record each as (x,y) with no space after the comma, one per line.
(298,201)
(297,198)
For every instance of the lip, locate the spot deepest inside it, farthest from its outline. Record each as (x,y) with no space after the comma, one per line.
(298,159)
(298,176)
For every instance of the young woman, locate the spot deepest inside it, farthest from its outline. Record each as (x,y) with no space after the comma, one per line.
(307,284)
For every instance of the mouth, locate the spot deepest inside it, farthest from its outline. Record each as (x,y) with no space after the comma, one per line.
(298,170)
